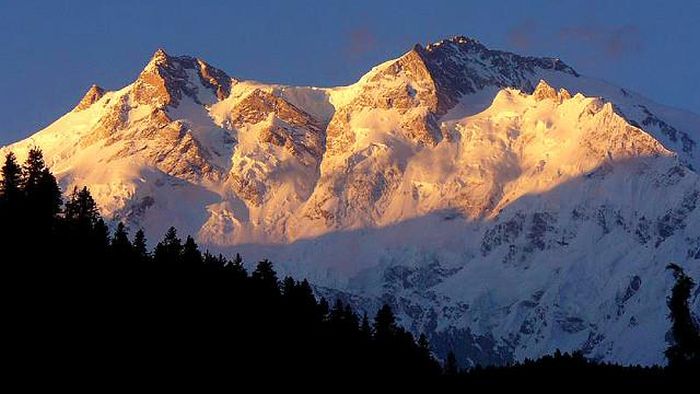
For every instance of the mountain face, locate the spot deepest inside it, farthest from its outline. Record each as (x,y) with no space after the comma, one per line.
(504,205)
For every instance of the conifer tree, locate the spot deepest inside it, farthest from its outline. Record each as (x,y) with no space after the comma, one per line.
(190,252)
(337,313)
(384,323)
(288,287)
(236,266)
(33,170)
(265,277)
(10,187)
(169,250)
(120,246)
(365,327)
(323,308)
(99,238)
(42,194)
(684,353)
(140,246)
(81,209)
(451,368)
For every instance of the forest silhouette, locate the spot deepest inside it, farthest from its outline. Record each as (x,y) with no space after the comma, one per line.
(96,307)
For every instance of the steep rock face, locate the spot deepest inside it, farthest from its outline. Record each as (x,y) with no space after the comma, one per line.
(462,66)
(493,209)
(93,94)
(267,125)
(166,79)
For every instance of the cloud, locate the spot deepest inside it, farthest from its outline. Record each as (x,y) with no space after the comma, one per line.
(361,40)
(523,35)
(612,42)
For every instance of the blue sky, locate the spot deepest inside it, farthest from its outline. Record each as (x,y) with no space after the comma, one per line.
(51,51)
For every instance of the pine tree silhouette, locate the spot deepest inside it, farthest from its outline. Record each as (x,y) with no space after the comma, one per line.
(201,316)
(451,368)
(11,201)
(265,277)
(140,246)
(10,187)
(121,248)
(190,253)
(169,250)
(365,327)
(236,268)
(81,209)
(42,194)
(384,323)
(684,353)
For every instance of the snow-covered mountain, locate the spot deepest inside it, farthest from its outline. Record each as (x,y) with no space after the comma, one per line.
(505,205)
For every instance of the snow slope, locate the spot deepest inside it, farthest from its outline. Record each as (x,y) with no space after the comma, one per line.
(504,205)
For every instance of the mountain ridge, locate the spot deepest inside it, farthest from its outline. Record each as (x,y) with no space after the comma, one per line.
(430,182)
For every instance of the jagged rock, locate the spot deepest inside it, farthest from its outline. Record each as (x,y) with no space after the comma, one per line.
(93,94)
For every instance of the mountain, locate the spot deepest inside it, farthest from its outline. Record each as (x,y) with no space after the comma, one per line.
(504,205)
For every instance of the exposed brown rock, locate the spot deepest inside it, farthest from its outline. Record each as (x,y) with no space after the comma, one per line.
(93,94)
(165,80)
(291,128)
(543,91)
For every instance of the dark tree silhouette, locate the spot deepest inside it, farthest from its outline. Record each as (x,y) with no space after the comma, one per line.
(89,301)
(81,209)
(10,187)
(384,323)
(684,353)
(265,277)
(451,367)
(140,247)
(121,248)
(190,252)
(41,192)
(169,250)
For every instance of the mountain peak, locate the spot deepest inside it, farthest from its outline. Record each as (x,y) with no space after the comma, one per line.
(544,91)
(91,96)
(166,78)
(460,41)
(159,57)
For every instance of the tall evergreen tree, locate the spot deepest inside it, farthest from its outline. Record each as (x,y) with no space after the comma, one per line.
(10,187)
(33,170)
(323,308)
(265,277)
(451,367)
(190,252)
(140,246)
(685,350)
(288,287)
(365,327)
(81,209)
(121,248)
(384,323)
(169,250)
(237,268)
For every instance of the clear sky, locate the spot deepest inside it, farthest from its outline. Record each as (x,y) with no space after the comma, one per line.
(51,51)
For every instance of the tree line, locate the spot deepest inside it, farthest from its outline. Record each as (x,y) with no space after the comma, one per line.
(89,304)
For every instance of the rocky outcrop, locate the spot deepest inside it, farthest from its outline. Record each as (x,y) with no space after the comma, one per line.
(167,78)
(93,94)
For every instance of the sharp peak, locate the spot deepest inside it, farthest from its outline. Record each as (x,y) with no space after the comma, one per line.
(458,40)
(161,57)
(95,88)
(93,94)
(469,46)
